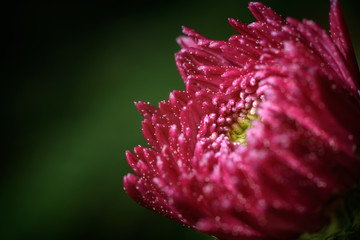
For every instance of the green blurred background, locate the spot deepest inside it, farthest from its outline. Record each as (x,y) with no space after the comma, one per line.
(72,73)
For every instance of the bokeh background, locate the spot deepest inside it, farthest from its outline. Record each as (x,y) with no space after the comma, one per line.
(72,72)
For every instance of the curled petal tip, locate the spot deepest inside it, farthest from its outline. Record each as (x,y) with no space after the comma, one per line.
(264,13)
(232,21)
(186,30)
(128,181)
(130,184)
(192,33)
(256,4)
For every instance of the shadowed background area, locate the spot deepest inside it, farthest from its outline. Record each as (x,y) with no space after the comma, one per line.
(72,73)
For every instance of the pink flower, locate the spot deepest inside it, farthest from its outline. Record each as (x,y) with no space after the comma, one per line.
(265,135)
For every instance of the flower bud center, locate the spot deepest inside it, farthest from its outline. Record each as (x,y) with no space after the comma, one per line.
(238,129)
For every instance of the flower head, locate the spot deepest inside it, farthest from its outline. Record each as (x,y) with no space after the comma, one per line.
(266,133)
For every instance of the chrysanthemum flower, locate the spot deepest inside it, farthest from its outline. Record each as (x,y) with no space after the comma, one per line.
(264,141)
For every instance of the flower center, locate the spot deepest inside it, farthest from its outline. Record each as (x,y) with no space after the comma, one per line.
(238,129)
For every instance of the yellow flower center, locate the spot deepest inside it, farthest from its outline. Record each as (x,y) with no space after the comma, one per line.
(238,132)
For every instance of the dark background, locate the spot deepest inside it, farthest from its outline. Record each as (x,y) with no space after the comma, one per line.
(72,72)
